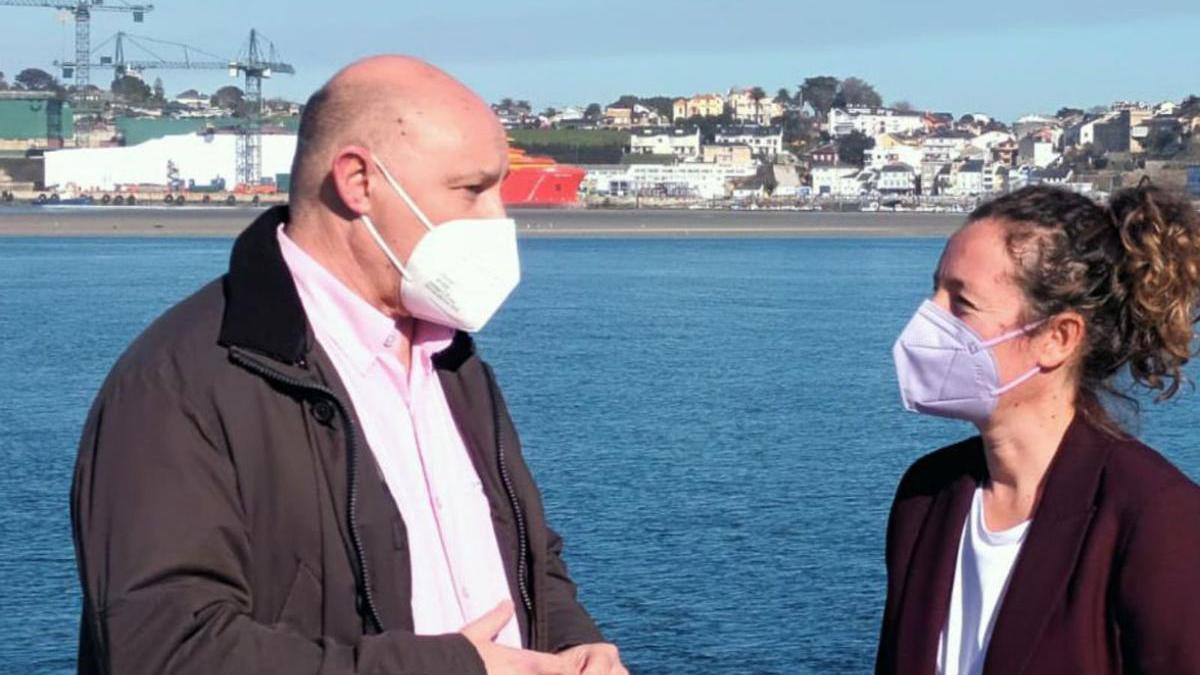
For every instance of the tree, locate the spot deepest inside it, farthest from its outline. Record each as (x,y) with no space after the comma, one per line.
(34,79)
(1190,107)
(131,89)
(818,92)
(3,82)
(856,92)
(550,112)
(783,97)
(593,111)
(625,101)
(757,95)
(853,147)
(1064,113)
(663,105)
(230,98)
(800,130)
(160,94)
(523,106)
(707,125)
(1163,142)
(904,106)
(506,103)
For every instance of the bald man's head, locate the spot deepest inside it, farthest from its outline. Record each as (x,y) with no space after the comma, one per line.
(398,107)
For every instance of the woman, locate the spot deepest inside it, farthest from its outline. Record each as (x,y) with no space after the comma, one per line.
(1053,542)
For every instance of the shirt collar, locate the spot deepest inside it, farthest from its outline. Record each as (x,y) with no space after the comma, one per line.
(358,330)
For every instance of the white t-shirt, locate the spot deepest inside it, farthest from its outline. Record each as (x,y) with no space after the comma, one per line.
(985,562)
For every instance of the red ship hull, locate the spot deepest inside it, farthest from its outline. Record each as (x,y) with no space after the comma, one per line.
(540,181)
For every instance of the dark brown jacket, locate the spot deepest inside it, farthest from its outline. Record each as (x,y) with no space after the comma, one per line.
(229,516)
(1107,581)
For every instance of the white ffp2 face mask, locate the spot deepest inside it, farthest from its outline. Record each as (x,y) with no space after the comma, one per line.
(946,369)
(460,272)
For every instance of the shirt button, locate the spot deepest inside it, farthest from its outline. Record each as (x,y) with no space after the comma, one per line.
(390,341)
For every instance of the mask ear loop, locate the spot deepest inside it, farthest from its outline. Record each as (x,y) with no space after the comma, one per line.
(403,195)
(387,250)
(1031,373)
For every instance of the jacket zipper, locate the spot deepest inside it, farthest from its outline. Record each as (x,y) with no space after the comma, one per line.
(518,514)
(351,461)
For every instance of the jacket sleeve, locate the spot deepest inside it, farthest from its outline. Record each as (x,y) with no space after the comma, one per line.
(164,552)
(569,623)
(1158,595)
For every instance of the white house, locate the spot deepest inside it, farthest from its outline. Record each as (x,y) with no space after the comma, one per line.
(681,142)
(874,121)
(838,181)
(708,181)
(888,150)
(1037,151)
(945,146)
(966,179)
(990,139)
(1031,123)
(763,141)
(898,178)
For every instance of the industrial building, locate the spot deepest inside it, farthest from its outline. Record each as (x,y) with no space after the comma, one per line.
(199,157)
(34,120)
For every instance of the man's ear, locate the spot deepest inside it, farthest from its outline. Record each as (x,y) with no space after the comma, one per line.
(1060,339)
(350,174)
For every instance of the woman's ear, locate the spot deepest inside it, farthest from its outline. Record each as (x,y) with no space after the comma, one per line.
(1060,339)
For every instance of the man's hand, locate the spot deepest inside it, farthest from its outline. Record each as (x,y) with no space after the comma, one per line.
(500,660)
(594,659)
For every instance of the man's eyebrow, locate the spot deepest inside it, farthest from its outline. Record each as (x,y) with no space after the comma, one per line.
(475,177)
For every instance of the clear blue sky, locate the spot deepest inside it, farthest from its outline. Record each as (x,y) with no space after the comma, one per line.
(1005,58)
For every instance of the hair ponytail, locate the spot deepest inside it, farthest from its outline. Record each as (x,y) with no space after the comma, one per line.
(1159,278)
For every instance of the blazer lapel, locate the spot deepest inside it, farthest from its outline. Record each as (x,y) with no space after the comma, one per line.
(930,576)
(1043,570)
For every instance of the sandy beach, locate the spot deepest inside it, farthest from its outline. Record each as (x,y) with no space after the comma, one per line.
(75,221)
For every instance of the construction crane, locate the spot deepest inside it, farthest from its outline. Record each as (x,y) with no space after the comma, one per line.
(257,61)
(82,11)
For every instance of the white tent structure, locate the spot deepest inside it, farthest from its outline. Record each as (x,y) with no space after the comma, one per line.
(199,157)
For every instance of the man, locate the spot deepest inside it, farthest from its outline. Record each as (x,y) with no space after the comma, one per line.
(305,467)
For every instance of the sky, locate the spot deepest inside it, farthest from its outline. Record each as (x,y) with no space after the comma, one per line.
(1002,58)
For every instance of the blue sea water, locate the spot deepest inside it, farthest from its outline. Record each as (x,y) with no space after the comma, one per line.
(714,424)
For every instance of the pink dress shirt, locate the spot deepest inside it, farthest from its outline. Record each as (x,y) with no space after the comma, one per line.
(457,572)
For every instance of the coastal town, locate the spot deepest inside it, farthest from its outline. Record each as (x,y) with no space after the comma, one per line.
(828,144)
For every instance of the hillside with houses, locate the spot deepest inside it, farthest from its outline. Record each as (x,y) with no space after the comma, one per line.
(829,141)
(834,141)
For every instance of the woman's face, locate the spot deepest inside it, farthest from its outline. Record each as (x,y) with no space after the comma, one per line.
(975,282)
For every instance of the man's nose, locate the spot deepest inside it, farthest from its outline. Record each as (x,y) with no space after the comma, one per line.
(490,204)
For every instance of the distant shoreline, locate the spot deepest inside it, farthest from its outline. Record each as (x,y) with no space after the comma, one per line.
(154,221)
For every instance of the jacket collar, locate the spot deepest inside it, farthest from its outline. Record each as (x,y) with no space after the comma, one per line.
(263,312)
(1041,573)
(262,308)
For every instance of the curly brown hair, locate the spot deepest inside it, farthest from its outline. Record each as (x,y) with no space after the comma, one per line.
(1131,268)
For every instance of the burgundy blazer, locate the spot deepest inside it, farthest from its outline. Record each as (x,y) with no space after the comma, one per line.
(1108,580)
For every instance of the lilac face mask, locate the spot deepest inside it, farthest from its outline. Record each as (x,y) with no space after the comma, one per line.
(946,369)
